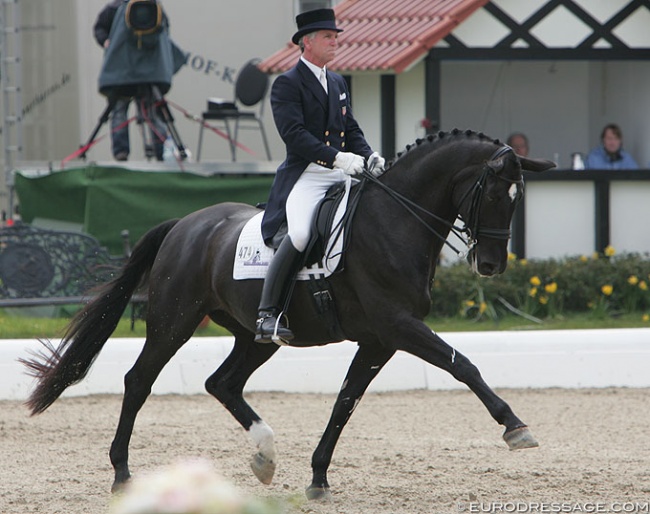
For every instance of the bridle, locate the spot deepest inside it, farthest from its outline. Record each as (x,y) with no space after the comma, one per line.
(471,228)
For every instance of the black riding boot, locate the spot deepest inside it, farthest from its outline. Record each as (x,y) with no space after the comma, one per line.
(278,283)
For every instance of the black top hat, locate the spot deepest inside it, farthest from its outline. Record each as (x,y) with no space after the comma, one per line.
(311,21)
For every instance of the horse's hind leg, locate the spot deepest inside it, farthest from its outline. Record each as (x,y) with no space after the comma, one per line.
(138,382)
(227,385)
(368,361)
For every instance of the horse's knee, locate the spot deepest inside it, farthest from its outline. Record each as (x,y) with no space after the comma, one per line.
(463,370)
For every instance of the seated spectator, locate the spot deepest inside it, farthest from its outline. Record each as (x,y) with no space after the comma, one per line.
(519,143)
(609,155)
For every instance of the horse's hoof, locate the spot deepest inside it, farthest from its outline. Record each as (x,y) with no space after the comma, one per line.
(263,468)
(118,487)
(318,493)
(520,438)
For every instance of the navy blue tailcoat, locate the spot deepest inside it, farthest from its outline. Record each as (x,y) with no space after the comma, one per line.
(314,126)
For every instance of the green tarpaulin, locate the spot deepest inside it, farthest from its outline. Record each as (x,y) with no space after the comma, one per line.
(104,201)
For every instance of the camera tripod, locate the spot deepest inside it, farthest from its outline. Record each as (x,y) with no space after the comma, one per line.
(148,100)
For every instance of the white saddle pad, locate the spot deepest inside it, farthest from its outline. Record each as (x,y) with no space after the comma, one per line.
(252,256)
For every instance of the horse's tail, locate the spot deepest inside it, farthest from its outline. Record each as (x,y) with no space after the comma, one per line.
(57,368)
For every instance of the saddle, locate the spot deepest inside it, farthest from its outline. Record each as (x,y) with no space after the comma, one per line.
(325,235)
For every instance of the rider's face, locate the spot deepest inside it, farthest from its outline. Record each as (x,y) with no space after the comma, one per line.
(321,48)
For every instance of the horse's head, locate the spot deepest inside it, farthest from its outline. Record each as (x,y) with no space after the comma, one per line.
(486,201)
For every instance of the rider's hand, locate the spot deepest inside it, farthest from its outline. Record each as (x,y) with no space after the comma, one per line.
(350,163)
(376,164)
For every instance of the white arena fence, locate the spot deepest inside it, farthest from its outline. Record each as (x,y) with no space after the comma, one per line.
(507,359)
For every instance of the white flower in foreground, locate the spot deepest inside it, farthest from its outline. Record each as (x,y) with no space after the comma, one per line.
(186,487)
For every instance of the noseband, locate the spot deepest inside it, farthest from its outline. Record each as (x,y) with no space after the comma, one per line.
(469,233)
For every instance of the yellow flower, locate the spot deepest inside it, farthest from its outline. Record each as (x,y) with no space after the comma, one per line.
(469,303)
(645,317)
(607,289)
(643,285)
(535,281)
(583,258)
(483,307)
(523,262)
(632,280)
(609,251)
(543,300)
(551,288)
(595,256)
(512,256)
(532,292)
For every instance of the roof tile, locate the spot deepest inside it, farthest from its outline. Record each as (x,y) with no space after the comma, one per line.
(384,35)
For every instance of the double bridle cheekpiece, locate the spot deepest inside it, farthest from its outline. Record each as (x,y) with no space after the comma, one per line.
(471,230)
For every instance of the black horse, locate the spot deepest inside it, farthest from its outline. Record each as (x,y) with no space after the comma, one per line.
(382,294)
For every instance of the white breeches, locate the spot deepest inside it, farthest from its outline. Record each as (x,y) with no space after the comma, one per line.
(303,199)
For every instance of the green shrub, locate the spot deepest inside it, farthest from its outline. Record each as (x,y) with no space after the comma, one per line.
(603,284)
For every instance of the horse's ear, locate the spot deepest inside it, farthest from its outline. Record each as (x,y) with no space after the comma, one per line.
(536,164)
(496,165)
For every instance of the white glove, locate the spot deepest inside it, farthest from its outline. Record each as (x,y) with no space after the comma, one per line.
(350,163)
(376,164)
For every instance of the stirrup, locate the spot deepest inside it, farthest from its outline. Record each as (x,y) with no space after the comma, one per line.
(262,336)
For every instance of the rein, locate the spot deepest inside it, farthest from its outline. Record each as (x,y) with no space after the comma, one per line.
(472,227)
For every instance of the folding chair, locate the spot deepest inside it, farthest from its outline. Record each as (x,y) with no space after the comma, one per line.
(251,87)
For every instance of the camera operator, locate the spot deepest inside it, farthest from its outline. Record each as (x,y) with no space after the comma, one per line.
(135,62)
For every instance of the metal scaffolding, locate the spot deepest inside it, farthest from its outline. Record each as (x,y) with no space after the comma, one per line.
(12,103)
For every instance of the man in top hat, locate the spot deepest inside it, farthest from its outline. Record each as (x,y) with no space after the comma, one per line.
(311,109)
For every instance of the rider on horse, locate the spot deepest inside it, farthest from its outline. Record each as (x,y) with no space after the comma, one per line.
(325,145)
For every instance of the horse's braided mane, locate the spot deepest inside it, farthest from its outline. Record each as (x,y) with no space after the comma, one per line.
(440,139)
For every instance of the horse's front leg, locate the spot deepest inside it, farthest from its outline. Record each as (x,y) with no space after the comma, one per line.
(416,338)
(365,366)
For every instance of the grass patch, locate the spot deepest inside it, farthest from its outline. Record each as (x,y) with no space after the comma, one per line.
(27,327)
(575,321)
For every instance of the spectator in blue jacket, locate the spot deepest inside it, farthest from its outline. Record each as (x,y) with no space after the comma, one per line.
(609,155)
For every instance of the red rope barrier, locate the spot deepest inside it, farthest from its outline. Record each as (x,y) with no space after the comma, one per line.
(82,150)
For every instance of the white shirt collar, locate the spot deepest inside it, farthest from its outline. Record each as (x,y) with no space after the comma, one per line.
(314,69)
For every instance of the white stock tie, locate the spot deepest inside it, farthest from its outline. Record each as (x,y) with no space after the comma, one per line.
(323,79)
